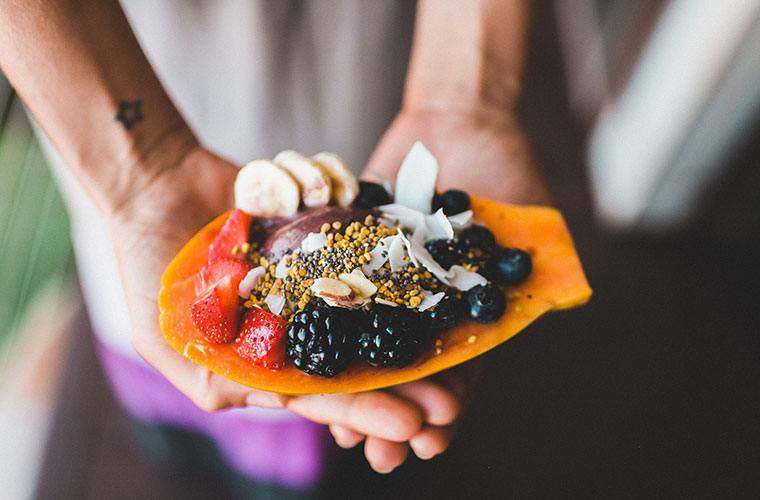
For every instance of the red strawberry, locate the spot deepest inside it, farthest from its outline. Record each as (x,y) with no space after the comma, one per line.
(233,234)
(262,338)
(218,270)
(217,313)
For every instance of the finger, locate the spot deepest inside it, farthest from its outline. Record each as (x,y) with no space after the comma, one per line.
(439,404)
(208,391)
(345,437)
(388,155)
(372,413)
(462,379)
(431,441)
(384,456)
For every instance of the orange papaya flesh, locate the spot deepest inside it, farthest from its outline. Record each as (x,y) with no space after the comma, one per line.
(556,282)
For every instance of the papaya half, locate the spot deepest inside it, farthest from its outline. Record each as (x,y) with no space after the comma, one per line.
(556,282)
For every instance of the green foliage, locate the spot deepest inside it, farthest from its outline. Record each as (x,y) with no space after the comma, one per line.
(34,228)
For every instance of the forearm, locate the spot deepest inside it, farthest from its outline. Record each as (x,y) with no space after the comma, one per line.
(73,64)
(467,55)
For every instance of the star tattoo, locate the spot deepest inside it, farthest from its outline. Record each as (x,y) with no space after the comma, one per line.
(129,113)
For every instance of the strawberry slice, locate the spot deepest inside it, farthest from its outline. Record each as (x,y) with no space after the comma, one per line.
(216,271)
(217,313)
(262,338)
(233,234)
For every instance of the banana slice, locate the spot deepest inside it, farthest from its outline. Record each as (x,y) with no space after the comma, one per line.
(345,185)
(265,190)
(315,183)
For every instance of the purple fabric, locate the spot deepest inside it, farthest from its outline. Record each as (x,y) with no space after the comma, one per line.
(291,452)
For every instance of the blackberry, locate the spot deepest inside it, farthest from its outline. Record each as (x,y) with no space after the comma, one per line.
(510,266)
(444,315)
(477,236)
(452,202)
(486,303)
(320,340)
(391,336)
(371,195)
(444,252)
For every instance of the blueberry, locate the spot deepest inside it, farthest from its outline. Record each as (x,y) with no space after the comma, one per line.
(486,302)
(452,202)
(444,252)
(371,195)
(510,266)
(477,237)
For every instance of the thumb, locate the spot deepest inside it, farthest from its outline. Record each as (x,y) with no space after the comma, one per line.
(388,155)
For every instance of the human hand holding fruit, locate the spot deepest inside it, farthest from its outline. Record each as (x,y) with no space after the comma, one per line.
(148,231)
(485,155)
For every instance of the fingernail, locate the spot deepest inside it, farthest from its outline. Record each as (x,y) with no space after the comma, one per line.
(343,444)
(423,455)
(383,471)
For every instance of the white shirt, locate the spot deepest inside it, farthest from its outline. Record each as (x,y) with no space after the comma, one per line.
(253,77)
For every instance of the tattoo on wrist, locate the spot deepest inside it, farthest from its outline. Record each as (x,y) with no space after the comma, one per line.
(129,113)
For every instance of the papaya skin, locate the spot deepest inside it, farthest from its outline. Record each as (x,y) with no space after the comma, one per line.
(557,282)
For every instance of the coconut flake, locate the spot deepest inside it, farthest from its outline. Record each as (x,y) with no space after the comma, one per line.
(250,281)
(428,262)
(415,181)
(409,247)
(275,302)
(282,268)
(396,254)
(378,257)
(463,279)
(461,219)
(437,226)
(430,299)
(407,217)
(313,242)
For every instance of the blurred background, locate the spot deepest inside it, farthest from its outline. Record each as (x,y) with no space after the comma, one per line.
(644,116)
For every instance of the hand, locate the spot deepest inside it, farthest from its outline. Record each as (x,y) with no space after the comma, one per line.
(151,227)
(482,154)
(148,229)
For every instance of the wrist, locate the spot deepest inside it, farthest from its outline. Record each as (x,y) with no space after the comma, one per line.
(498,121)
(143,166)
(471,93)
(468,55)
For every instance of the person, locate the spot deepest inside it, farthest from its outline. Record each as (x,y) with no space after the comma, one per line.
(143,172)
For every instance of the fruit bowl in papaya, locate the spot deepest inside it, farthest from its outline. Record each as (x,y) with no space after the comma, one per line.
(556,282)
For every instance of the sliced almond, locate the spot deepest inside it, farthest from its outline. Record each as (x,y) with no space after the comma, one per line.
(263,189)
(344,183)
(381,300)
(359,283)
(331,288)
(316,186)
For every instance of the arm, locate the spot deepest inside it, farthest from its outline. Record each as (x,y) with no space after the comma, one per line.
(468,56)
(461,95)
(73,63)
